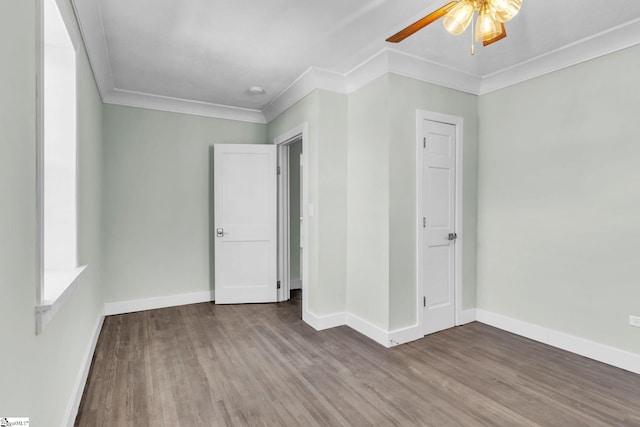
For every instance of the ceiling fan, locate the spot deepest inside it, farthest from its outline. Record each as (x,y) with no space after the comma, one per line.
(489,28)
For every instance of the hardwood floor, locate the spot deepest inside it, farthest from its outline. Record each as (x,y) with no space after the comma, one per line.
(259,364)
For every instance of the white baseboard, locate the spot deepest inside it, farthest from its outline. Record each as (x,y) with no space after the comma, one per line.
(295,284)
(593,350)
(467,316)
(381,336)
(131,306)
(74,406)
(327,321)
(404,335)
(370,330)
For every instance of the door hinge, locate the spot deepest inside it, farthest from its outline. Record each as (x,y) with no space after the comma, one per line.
(278,170)
(424,301)
(424,222)
(424,142)
(278,284)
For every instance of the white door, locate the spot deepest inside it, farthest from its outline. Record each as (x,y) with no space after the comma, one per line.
(438,240)
(245,185)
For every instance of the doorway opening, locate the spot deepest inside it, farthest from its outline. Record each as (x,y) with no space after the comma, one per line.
(292,216)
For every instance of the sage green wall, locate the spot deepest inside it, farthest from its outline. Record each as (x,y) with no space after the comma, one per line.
(382,196)
(159,199)
(406,96)
(368,203)
(294,210)
(559,200)
(39,371)
(326,115)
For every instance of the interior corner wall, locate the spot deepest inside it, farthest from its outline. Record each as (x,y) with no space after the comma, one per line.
(559,201)
(408,95)
(332,202)
(325,113)
(382,183)
(368,203)
(158,200)
(40,372)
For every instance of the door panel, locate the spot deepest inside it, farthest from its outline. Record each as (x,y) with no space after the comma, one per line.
(437,281)
(439,180)
(438,252)
(245,186)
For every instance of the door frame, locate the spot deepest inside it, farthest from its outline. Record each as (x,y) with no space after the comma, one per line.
(298,133)
(458,123)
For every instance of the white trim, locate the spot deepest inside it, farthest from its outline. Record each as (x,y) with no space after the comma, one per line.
(312,79)
(367,329)
(603,353)
(468,316)
(458,122)
(47,309)
(92,32)
(385,61)
(130,306)
(83,374)
(368,71)
(427,71)
(302,132)
(326,321)
(177,105)
(601,44)
(39,60)
(284,224)
(50,300)
(317,322)
(382,336)
(69,19)
(404,335)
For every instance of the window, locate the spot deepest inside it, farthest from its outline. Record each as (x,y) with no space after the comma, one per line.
(57,163)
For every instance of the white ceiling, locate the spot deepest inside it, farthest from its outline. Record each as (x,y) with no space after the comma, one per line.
(199,54)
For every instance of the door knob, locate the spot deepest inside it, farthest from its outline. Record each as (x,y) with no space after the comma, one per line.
(453,236)
(219,232)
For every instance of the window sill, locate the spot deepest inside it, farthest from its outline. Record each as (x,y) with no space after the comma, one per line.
(58,285)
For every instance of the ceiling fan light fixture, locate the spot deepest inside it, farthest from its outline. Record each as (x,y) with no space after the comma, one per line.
(487,27)
(458,14)
(505,10)
(458,18)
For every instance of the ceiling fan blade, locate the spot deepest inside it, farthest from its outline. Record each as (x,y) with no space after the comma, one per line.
(500,36)
(421,23)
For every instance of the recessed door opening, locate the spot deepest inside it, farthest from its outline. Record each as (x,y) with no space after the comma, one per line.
(439,221)
(295,215)
(292,256)
(289,218)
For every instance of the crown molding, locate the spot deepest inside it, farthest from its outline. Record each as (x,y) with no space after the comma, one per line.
(368,71)
(185,106)
(92,32)
(385,61)
(310,80)
(427,71)
(604,43)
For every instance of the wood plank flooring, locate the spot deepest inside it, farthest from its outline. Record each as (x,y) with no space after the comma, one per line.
(260,365)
